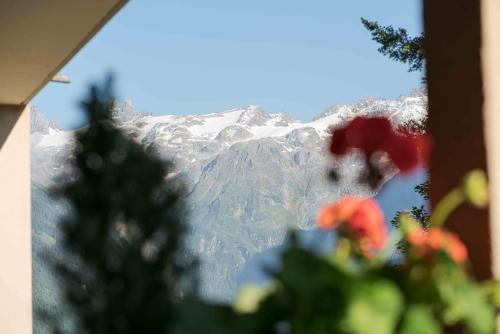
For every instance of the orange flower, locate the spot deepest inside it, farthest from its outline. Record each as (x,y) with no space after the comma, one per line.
(456,249)
(425,244)
(436,238)
(417,237)
(332,215)
(363,219)
(367,227)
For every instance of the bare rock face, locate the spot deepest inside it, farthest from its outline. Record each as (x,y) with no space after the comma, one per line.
(251,175)
(124,112)
(40,124)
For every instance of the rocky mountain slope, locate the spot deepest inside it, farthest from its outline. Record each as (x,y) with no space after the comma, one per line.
(251,175)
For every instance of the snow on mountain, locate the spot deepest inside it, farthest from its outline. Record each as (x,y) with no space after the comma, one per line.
(40,124)
(125,112)
(405,108)
(250,175)
(252,120)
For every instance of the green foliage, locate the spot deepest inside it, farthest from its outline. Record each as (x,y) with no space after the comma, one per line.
(419,213)
(374,307)
(397,44)
(463,300)
(420,320)
(331,295)
(423,189)
(126,232)
(314,294)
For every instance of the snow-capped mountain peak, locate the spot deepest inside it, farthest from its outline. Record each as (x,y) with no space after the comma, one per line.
(405,108)
(249,174)
(253,116)
(40,124)
(200,137)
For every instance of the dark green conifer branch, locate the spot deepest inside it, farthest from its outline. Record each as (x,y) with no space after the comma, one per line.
(397,44)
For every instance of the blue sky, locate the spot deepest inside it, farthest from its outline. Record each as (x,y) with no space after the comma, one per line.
(199,56)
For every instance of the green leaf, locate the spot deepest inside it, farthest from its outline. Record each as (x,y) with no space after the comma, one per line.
(420,320)
(465,303)
(491,290)
(375,307)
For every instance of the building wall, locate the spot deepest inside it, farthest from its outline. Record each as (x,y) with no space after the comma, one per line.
(15,221)
(491,72)
(455,87)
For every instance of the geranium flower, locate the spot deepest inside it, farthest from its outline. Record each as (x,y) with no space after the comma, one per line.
(425,244)
(456,249)
(376,134)
(436,238)
(367,227)
(417,237)
(339,143)
(361,220)
(366,134)
(330,216)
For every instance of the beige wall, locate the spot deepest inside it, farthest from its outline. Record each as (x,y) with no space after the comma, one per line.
(15,221)
(491,73)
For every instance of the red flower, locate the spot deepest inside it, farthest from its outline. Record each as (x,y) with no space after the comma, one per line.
(407,152)
(376,134)
(339,144)
(417,237)
(332,215)
(435,238)
(367,227)
(361,219)
(456,249)
(403,152)
(370,134)
(366,134)
(425,244)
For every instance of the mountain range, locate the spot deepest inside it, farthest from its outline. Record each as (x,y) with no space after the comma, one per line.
(250,175)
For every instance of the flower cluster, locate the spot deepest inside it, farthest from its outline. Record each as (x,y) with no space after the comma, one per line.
(359,219)
(426,244)
(374,135)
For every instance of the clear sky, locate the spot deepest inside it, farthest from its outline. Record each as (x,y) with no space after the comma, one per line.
(199,56)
